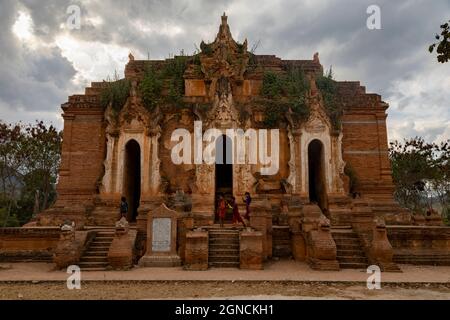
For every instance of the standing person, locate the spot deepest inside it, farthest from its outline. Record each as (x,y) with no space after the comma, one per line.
(221,208)
(247,200)
(123,208)
(236,216)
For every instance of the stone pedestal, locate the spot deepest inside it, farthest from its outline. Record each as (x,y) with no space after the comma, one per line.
(381,252)
(321,249)
(161,239)
(298,246)
(251,250)
(120,254)
(261,220)
(372,234)
(70,247)
(185,224)
(196,253)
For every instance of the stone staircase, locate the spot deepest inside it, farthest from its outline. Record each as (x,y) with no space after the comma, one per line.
(223,248)
(349,252)
(281,241)
(95,258)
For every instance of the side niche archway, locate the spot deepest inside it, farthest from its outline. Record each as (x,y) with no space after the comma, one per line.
(132,177)
(317,186)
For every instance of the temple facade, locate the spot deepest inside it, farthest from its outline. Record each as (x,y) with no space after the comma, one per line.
(313,156)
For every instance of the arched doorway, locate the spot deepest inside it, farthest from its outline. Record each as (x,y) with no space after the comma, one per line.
(224,169)
(316,172)
(132,178)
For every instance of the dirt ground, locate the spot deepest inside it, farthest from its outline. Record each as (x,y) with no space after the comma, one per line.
(286,279)
(219,290)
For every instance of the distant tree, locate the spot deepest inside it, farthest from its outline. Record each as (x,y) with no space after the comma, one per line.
(442,46)
(421,172)
(14,151)
(29,158)
(43,164)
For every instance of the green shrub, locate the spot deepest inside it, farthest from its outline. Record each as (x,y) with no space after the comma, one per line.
(115,93)
(328,89)
(150,88)
(284,91)
(171,74)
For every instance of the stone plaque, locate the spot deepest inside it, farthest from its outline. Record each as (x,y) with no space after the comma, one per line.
(162,228)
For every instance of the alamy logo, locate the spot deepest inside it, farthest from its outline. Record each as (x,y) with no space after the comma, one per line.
(74,280)
(374,20)
(241,147)
(74,20)
(374,280)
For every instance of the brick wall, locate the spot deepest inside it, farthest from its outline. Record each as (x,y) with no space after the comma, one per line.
(28,244)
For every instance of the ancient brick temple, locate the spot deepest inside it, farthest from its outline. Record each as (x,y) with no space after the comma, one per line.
(330,202)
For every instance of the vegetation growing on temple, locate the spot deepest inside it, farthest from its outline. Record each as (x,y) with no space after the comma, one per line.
(170,76)
(283,91)
(115,93)
(328,88)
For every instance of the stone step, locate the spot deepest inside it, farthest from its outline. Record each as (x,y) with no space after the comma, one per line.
(97,249)
(351,259)
(354,252)
(341,228)
(352,265)
(223,259)
(100,244)
(224,252)
(219,246)
(223,264)
(91,253)
(223,236)
(346,241)
(94,259)
(231,230)
(341,235)
(344,246)
(223,231)
(86,264)
(105,234)
(104,238)
(224,241)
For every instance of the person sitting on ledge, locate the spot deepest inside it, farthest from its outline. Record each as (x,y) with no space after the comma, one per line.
(123,208)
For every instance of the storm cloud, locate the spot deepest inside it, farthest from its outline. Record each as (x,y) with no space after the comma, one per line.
(46,62)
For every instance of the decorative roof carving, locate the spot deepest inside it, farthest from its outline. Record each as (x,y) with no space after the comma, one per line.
(224,57)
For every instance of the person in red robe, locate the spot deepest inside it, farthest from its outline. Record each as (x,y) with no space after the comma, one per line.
(221,210)
(236,216)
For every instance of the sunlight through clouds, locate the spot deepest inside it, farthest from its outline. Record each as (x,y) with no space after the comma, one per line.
(93,61)
(23,27)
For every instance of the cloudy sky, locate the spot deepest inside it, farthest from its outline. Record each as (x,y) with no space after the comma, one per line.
(42,61)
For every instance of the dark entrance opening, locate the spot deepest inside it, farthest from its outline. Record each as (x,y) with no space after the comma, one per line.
(132,178)
(316,170)
(224,172)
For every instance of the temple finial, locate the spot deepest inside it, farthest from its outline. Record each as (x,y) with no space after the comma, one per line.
(224,19)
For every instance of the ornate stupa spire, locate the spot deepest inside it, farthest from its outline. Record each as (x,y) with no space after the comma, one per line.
(224,29)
